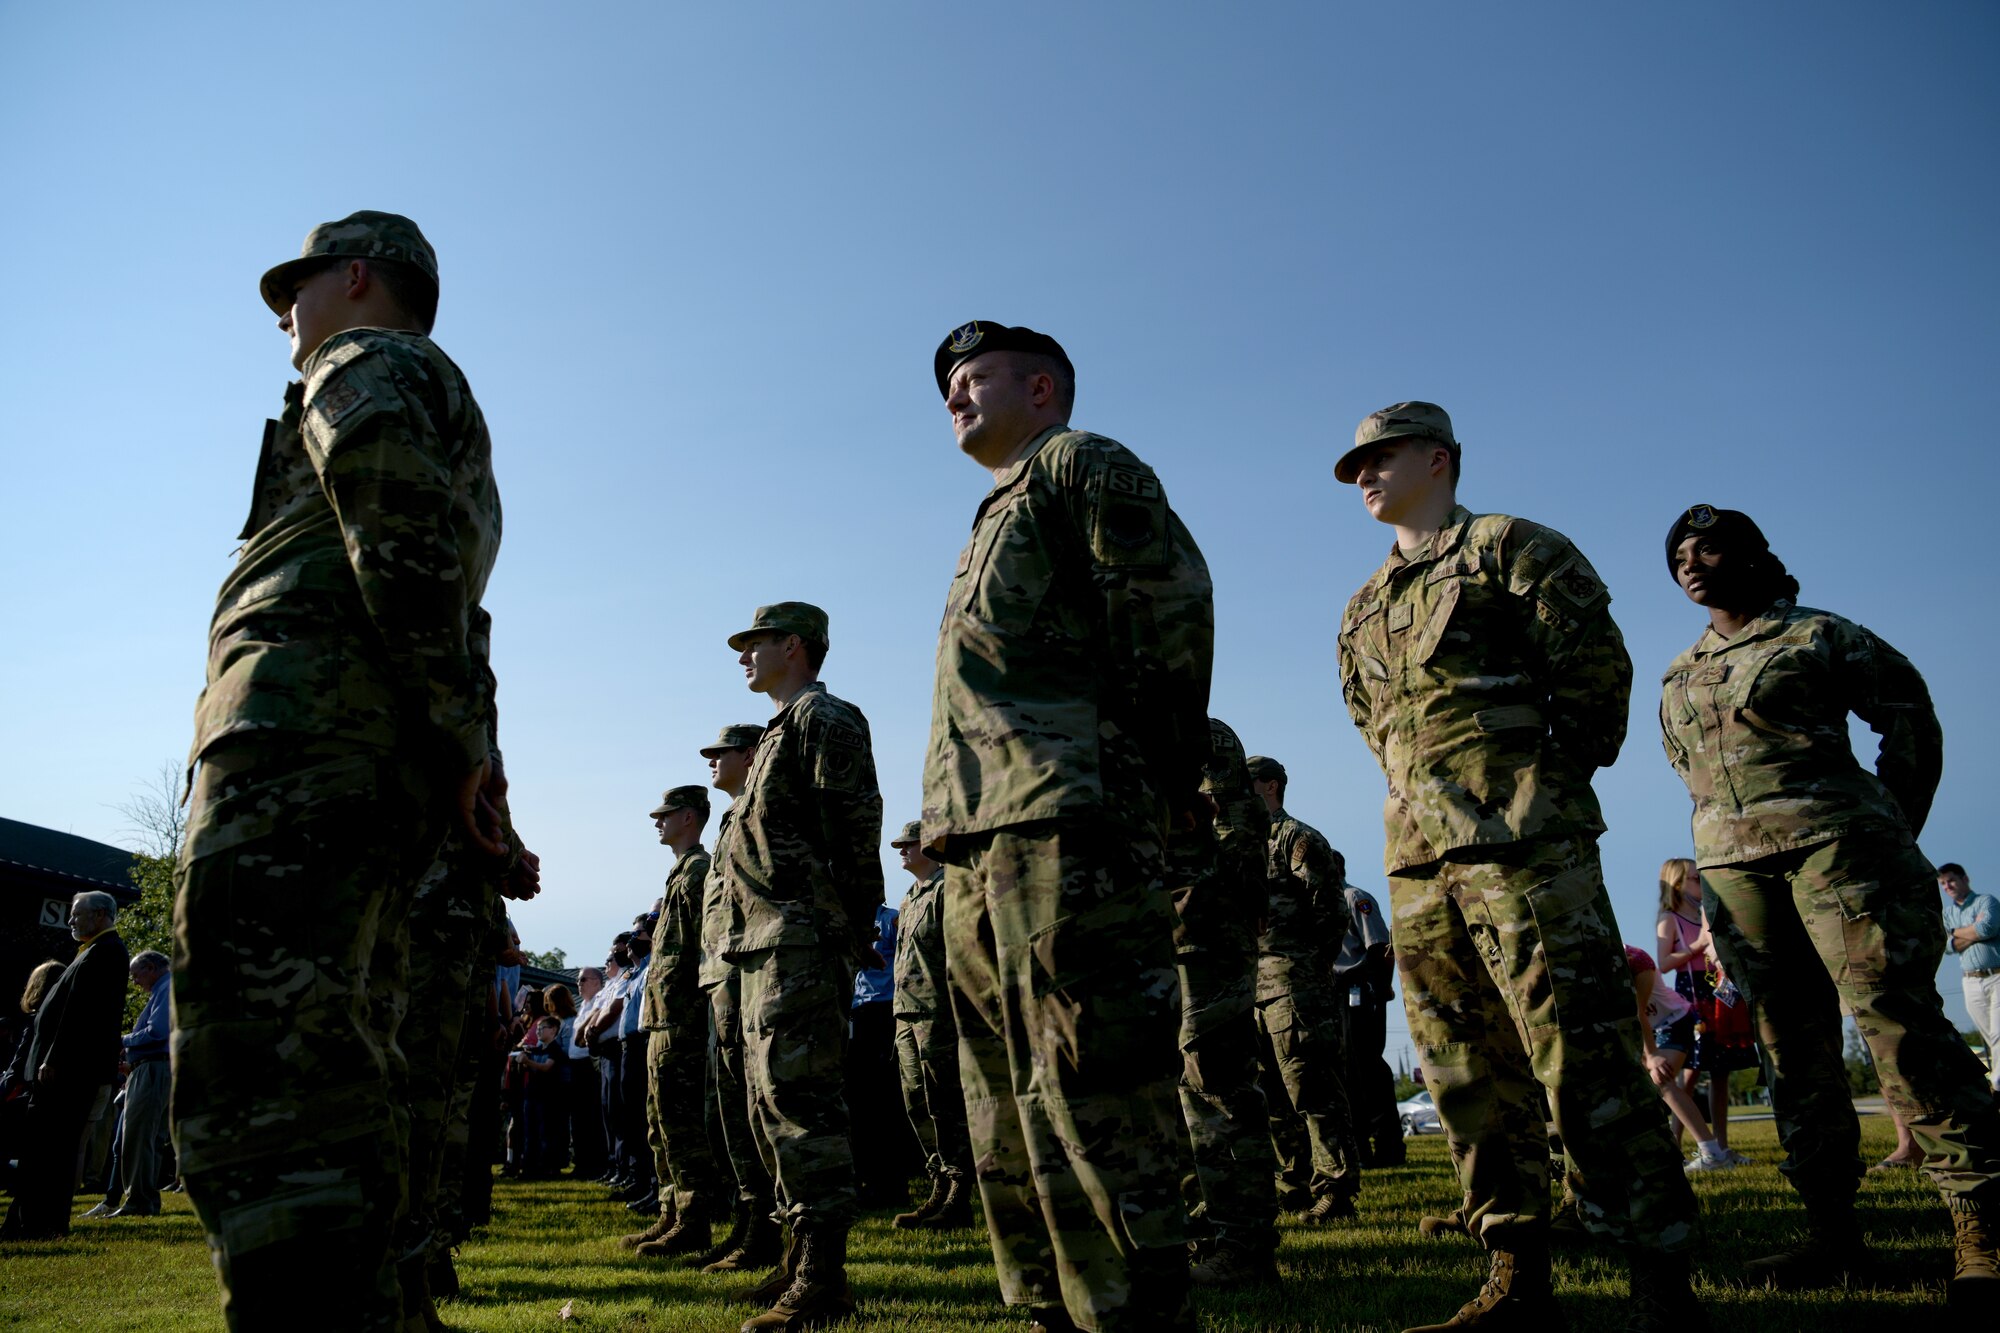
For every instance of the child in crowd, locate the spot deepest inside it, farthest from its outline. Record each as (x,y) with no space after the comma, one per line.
(1666,1027)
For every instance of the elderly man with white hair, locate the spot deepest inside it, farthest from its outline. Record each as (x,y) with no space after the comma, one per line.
(72,1063)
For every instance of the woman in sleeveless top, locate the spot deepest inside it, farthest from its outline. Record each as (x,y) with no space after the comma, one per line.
(1722,1031)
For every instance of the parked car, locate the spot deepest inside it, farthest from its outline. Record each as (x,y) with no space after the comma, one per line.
(1419,1116)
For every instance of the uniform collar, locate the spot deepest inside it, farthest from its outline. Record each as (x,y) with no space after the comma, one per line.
(1020,465)
(817,687)
(1442,543)
(1763,627)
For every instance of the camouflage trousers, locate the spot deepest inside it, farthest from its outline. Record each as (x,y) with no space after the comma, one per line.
(676,1126)
(1222,1101)
(1513,977)
(1301,1048)
(927,1064)
(795,1050)
(1853,922)
(1060,941)
(290,969)
(732,1097)
(447,927)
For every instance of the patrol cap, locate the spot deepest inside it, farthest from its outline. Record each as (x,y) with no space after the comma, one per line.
(1398,421)
(682,798)
(736,736)
(1263,768)
(1732,527)
(911,836)
(800,618)
(363,235)
(978,337)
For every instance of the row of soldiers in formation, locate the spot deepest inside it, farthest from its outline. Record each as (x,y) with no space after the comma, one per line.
(348,730)
(1271,943)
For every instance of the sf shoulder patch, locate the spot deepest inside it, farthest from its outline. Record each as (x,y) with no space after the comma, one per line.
(1129,517)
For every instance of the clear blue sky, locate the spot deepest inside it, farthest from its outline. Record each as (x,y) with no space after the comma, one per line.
(695,259)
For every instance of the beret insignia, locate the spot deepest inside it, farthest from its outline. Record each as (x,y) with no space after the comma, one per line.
(966,337)
(1701,516)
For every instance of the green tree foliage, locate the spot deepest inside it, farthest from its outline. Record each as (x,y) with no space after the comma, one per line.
(554,959)
(157,821)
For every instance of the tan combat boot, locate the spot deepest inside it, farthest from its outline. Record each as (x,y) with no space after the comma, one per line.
(819,1294)
(689,1234)
(1519,1293)
(1831,1254)
(661,1226)
(928,1209)
(779,1279)
(759,1244)
(956,1210)
(1975,1278)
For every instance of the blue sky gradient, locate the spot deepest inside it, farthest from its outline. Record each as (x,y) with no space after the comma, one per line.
(695,259)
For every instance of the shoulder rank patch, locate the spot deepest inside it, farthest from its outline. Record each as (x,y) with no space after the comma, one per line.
(837,759)
(337,399)
(1577,582)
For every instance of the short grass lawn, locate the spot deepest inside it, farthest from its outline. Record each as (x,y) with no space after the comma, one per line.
(553,1249)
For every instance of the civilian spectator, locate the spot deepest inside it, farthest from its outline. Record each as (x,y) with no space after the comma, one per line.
(590,1156)
(639,1196)
(1364,983)
(1722,1040)
(1972,934)
(72,1062)
(142,1130)
(884,1151)
(14,1083)
(544,1059)
(1666,1030)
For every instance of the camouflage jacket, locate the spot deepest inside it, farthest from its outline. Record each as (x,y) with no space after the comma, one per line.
(1217,869)
(1308,915)
(353,611)
(1487,676)
(1757,728)
(673,1000)
(803,865)
(718,908)
(920,977)
(1073,659)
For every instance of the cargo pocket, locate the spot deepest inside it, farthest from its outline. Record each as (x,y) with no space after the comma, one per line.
(1561,973)
(1153,1219)
(1107,1005)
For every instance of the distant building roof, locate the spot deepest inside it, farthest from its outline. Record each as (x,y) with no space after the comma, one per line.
(45,855)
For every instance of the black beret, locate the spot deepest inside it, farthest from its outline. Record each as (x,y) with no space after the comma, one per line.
(980,336)
(1732,527)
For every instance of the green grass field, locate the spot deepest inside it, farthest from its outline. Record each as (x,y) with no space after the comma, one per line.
(553,1245)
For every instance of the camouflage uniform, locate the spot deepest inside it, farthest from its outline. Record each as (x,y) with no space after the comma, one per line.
(1485,673)
(1220,895)
(1300,1037)
(347,694)
(1070,714)
(1816,893)
(725,995)
(804,882)
(926,1036)
(449,923)
(674,1013)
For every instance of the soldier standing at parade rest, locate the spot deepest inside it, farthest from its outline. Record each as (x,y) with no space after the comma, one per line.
(1816,893)
(345,727)
(1069,726)
(1221,893)
(927,1044)
(693,1190)
(805,878)
(1299,1027)
(753,1233)
(1482,667)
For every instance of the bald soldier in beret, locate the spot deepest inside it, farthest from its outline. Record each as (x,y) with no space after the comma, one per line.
(1481,664)
(927,1044)
(694,1193)
(346,727)
(805,878)
(1069,727)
